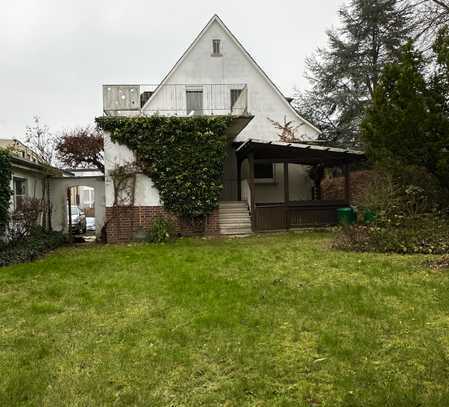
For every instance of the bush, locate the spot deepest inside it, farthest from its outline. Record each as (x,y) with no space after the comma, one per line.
(25,219)
(35,245)
(423,234)
(162,231)
(5,190)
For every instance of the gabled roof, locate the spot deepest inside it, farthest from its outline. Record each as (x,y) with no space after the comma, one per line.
(219,21)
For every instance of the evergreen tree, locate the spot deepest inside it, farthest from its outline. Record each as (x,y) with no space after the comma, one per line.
(345,75)
(407,124)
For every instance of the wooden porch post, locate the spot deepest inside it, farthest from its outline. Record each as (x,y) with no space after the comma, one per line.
(348,193)
(239,179)
(69,209)
(252,188)
(286,196)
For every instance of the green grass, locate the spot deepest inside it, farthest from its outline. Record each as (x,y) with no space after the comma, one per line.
(265,321)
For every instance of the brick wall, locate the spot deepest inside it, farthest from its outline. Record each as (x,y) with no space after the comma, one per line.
(123,222)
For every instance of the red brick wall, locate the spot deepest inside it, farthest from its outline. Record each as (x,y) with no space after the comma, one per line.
(123,222)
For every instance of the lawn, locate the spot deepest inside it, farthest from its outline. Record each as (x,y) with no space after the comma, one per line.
(264,321)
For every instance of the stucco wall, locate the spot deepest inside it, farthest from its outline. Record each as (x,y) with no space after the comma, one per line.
(300,184)
(34,182)
(233,67)
(145,194)
(199,67)
(58,197)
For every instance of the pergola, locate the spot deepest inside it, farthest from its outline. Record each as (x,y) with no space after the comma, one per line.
(294,214)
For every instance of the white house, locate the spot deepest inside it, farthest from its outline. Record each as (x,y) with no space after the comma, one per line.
(266,181)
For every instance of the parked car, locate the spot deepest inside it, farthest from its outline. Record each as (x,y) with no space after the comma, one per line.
(78,220)
(90,224)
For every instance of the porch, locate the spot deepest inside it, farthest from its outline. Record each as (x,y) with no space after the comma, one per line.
(299,206)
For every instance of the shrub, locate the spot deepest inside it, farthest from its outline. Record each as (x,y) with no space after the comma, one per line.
(5,190)
(30,248)
(162,231)
(25,219)
(424,234)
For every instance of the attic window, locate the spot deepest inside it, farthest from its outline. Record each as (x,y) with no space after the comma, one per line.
(216,48)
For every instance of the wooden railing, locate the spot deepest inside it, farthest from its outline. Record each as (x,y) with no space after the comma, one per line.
(296,215)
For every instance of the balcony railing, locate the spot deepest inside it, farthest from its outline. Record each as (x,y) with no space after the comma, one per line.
(176,99)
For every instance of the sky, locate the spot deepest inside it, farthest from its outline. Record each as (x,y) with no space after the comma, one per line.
(56,54)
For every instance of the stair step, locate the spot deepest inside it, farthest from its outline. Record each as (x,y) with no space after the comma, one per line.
(233,205)
(236,218)
(234,224)
(233,213)
(236,232)
(225,210)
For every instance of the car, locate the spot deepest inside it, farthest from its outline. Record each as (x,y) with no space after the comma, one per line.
(90,224)
(78,220)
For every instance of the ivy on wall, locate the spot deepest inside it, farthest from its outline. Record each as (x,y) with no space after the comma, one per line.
(183,156)
(5,188)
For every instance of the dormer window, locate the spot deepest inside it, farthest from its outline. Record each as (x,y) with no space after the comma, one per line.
(216,48)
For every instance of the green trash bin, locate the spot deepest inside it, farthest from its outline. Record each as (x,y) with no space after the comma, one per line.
(346,216)
(369,216)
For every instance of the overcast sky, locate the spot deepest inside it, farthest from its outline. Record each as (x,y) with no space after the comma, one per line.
(56,54)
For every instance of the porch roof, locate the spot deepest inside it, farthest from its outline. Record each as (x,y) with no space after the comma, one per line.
(297,153)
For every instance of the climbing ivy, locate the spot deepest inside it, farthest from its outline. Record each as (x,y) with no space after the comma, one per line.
(183,156)
(5,188)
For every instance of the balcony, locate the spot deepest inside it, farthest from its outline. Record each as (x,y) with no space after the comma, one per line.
(176,100)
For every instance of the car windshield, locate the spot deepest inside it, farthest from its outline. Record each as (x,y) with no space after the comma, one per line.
(75,211)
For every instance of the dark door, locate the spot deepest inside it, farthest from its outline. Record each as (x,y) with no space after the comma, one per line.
(230,189)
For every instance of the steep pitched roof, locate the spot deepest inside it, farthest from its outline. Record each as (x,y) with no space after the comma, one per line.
(218,20)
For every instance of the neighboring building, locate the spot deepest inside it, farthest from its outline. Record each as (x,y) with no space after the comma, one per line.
(32,178)
(267,185)
(28,173)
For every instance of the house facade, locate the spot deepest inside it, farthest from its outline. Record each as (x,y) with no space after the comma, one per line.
(217,76)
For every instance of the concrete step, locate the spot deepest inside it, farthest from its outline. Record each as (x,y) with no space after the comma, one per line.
(233,205)
(234,213)
(236,219)
(233,210)
(236,232)
(235,224)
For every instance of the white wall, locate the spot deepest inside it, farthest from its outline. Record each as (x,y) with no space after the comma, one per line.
(199,67)
(58,198)
(114,154)
(300,184)
(34,182)
(233,67)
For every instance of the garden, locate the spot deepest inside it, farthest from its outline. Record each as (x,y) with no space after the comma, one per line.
(268,320)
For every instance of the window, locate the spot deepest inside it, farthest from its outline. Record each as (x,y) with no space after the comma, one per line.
(264,172)
(194,102)
(216,48)
(235,94)
(19,186)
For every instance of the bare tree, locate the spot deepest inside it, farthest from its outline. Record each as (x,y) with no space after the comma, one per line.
(42,141)
(431,16)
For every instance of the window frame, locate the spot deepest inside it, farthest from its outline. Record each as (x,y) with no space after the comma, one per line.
(198,91)
(216,42)
(23,195)
(232,92)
